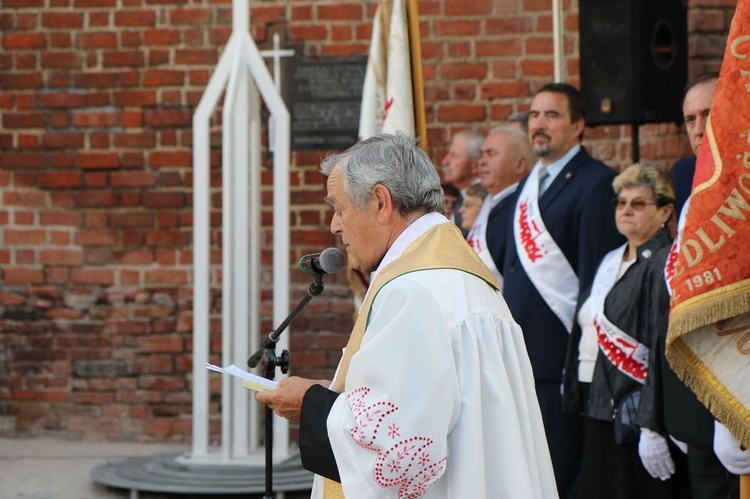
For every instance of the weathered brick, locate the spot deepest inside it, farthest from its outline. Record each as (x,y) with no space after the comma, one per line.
(13,41)
(97,160)
(24,198)
(135,18)
(95,199)
(463,71)
(62,20)
(468,7)
(62,100)
(263,14)
(96,119)
(161,36)
(140,219)
(505,90)
(87,40)
(136,98)
(61,60)
(60,218)
(24,237)
(133,257)
(459,113)
(175,277)
(92,277)
(167,238)
(161,344)
(62,140)
(11,299)
(339,12)
(123,58)
(159,159)
(61,257)
(95,238)
(24,120)
(163,78)
(196,56)
(60,180)
(133,179)
(457,28)
(319,32)
(190,16)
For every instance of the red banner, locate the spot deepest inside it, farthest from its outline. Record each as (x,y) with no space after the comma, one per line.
(709,332)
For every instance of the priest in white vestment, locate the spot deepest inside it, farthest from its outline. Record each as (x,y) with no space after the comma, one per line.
(434,396)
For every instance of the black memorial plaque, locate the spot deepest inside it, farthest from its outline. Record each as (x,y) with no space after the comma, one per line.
(324,99)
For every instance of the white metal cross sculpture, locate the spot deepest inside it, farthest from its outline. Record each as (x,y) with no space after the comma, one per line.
(243,72)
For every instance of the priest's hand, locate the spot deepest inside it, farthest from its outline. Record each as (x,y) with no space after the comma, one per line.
(286,400)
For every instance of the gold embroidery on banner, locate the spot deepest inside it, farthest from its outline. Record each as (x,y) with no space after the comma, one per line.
(733,208)
(736,43)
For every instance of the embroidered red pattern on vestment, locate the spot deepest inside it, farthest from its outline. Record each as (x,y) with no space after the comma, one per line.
(407,462)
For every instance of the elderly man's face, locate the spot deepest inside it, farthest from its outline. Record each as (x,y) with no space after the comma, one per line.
(458,167)
(358,229)
(499,163)
(696,108)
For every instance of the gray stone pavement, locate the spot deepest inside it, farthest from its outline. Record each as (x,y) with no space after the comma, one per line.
(50,468)
(47,468)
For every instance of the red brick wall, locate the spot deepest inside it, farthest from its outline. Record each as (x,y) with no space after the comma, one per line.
(96,99)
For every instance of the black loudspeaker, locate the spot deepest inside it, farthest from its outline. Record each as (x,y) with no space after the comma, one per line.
(633,60)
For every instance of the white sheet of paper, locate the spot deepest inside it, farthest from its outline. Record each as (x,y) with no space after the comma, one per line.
(249,380)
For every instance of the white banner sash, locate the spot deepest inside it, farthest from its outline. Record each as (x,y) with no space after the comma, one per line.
(627,354)
(477,239)
(543,261)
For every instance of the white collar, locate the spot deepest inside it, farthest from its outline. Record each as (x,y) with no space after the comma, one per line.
(554,168)
(496,198)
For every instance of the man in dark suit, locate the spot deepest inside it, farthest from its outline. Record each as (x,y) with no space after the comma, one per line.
(563,224)
(685,418)
(696,106)
(506,158)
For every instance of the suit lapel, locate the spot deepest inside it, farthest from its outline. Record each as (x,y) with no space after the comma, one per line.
(563,179)
(499,206)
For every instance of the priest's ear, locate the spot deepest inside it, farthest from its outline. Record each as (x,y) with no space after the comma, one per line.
(384,200)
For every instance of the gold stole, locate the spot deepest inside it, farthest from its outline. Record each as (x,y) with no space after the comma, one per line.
(442,247)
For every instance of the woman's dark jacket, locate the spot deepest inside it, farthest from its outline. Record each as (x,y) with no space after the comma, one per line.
(636,305)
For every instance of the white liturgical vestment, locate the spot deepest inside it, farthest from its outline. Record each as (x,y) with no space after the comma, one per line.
(439,400)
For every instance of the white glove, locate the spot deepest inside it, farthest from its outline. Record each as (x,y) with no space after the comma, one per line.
(728,450)
(654,452)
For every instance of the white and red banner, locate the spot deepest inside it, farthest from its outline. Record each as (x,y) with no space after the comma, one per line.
(541,257)
(709,331)
(387,97)
(373,90)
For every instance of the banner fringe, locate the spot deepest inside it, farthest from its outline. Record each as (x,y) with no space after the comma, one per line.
(708,311)
(722,404)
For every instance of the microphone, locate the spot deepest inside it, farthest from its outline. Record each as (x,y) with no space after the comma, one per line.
(329,261)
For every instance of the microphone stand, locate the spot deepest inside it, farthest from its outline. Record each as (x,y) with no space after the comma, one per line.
(267,356)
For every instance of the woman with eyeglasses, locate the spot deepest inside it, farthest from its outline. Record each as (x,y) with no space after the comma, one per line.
(471,206)
(627,453)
